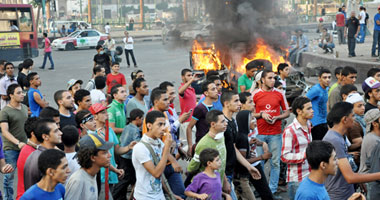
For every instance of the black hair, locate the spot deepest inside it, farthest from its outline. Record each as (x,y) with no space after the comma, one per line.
(98,47)
(323,71)
(29,126)
(156,94)
(338,70)
(339,9)
(70,135)
(58,95)
(281,67)
(205,86)
(134,74)
(213,116)
(84,156)
(136,113)
(80,115)
(80,94)
(42,127)
(115,63)
(2,62)
(31,76)
(45,34)
(243,96)
(373,71)
(299,103)
(100,82)
(20,66)
(338,111)
(265,72)
(211,73)
(346,89)
(8,63)
(27,63)
(213,78)
(208,155)
(49,113)
(184,71)
(137,83)
(115,90)
(164,85)
(97,69)
(227,96)
(50,158)
(347,70)
(252,65)
(153,115)
(318,151)
(11,89)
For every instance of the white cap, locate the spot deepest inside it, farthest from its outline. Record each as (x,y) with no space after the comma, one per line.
(354,98)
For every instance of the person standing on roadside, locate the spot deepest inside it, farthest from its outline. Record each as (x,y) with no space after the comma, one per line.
(340,21)
(362,16)
(351,32)
(110,45)
(107,28)
(47,53)
(128,47)
(376,34)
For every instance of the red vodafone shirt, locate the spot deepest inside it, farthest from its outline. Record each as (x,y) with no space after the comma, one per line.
(270,102)
(24,154)
(187,101)
(113,80)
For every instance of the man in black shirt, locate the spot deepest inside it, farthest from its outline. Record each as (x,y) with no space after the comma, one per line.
(65,104)
(351,31)
(102,59)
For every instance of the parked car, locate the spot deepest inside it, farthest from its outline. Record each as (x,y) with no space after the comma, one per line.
(191,32)
(88,38)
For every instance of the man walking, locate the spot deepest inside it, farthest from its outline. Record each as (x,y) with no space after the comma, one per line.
(47,52)
(351,32)
(128,46)
(376,34)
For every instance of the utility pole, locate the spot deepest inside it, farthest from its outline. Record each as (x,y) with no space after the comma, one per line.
(89,17)
(185,14)
(142,13)
(43,15)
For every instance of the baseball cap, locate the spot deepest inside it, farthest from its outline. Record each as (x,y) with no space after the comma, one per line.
(354,98)
(370,83)
(371,116)
(72,82)
(96,108)
(94,141)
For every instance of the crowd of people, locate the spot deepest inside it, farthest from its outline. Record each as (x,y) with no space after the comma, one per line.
(113,140)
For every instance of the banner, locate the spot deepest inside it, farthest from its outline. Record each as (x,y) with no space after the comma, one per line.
(9,39)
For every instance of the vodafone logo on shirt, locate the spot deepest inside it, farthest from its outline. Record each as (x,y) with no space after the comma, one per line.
(268,109)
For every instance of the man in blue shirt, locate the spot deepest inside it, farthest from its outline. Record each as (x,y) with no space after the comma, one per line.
(217,105)
(376,34)
(35,98)
(318,95)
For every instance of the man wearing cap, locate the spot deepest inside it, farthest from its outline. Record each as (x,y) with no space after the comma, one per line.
(74,85)
(93,154)
(116,110)
(357,100)
(65,103)
(371,87)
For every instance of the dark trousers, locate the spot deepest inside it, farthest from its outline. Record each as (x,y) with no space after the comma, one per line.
(351,41)
(319,131)
(376,41)
(130,51)
(120,190)
(261,185)
(175,181)
(340,30)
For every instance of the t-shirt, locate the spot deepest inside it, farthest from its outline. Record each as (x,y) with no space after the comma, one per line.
(187,101)
(363,16)
(335,96)
(16,119)
(67,120)
(108,44)
(5,81)
(216,105)
(203,184)
(333,87)
(367,147)
(133,104)
(319,98)
(22,80)
(47,45)
(352,25)
(107,29)
(376,18)
(337,186)
(90,85)
(270,102)
(147,186)
(311,190)
(72,162)
(31,172)
(97,96)
(81,186)
(24,154)
(340,19)
(116,114)
(199,114)
(229,139)
(126,45)
(113,80)
(36,193)
(368,106)
(35,108)
(245,81)
(103,60)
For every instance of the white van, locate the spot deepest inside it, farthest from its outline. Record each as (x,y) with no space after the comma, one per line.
(56,25)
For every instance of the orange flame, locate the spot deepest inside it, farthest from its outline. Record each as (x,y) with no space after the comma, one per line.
(205,58)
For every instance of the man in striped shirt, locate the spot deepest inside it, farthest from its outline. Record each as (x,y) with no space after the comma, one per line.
(295,139)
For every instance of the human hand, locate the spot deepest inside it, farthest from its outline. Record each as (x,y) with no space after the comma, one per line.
(356,35)
(357,196)
(253,141)
(21,145)
(7,169)
(177,197)
(132,144)
(227,187)
(177,168)
(168,140)
(195,77)
(254,173)
(120,173)
(183,155)
(202,196)
(185,116)
(190,151)
(266,155)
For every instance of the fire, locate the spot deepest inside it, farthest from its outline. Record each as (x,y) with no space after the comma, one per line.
(205,58)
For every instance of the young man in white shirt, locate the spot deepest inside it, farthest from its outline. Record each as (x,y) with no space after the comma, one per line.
(128,42)
(361,18)
(107,28)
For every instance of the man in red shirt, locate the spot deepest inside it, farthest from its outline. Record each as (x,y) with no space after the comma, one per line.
(340,23)
(115,77)
(270,103)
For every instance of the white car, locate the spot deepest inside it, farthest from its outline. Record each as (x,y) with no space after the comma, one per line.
(88,38)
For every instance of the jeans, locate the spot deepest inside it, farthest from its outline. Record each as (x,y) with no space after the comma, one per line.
(340,30)
(11,157)
(361,35)
(292,189)
(233,194)
(112,56)
(175,181)
(325,46)
(351,41)
(120,189)
(376,41)
(274,144)
(48,54)
(294,56)
(130,51)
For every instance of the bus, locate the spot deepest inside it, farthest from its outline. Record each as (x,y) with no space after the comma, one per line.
(18,34)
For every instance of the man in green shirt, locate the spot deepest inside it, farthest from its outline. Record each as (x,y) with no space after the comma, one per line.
(116,115)
(213,139)
(245,81)
(338,76)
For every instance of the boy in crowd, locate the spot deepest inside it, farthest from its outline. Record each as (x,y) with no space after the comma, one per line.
(246,101)
(70,137)
(218,83)
(245,81)
(116,110)
(97,71)
(140,86)
(53,166)
(65,102)
(74,85)
(371,87)
(283,71)
(35,98)
(86,122)
(82,99)
(338,76)
(93,154)
(349,75)
(22,80)
(97,95)
(374,72)
(115,78)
